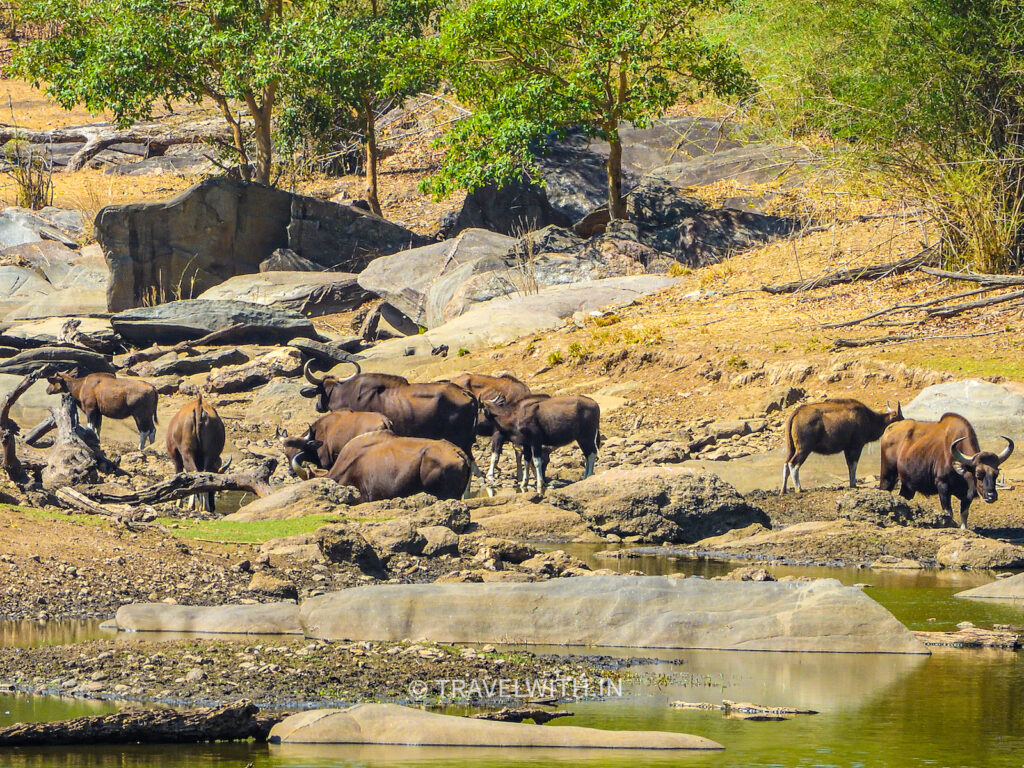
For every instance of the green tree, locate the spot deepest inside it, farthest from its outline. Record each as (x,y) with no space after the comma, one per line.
(530,67)
(358,60)
(930,93)
(127,55)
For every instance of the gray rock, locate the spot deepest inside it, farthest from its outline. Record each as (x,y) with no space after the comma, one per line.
(207,361)
(309,293)
(318,496)
(273,586)
(394,724)
(19,285)
(191,164)
(44,332)
(283,361)
(513,209)
(1011,589)
(978,552)
(394,537)
(63,358)
(328,354)
(263,619)
(438,540)
(993,409)
(756,163)
(193,318)
(18,226)
(343,544)
(287,260)
(673,504)
(59,265)
(623,611)
(780,398)
(886,509)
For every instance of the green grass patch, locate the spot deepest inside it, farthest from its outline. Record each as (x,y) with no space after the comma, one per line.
(255,532)
(97,521)
(1010,367)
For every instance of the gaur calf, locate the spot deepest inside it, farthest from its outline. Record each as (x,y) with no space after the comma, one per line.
(941,458)
(513,390)
(195,441)
(103,394)
(382,465)
(333,431)
(539,420)
(834,426)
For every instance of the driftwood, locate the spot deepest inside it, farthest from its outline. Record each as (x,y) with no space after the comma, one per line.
(152,353)
(956,309)
(974,277)
(909,307)
(518,714)
(76,456)
(187,484)
(44,427)
(842,276)
(232,722)
(9,429)
(95,139)
(882,340)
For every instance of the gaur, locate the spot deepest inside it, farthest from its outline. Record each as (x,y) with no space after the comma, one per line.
(333,431)
(103,394)
(195,441)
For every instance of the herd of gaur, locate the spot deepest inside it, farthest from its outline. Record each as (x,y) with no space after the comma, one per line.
(389,438)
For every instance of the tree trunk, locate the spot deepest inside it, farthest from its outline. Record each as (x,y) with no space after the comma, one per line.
(264,148)
(371,158)
(616,205)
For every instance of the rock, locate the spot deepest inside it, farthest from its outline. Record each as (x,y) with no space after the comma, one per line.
(19,285)
(438,540)
(747,573)
(979,552)
(64,358)
(513,209)
(394,724)
(393,537)
(207,361)
(261,619)
(672,504)
(286,362)
(328,354)
(309,293)
(452,513)
(897,564)
(302,547)
(192,318)
(723,430)
(780,398)
(287,260)
(195,675)
(61,266)
(992,409)
(183,164)
(344,544)
(887,509)
(754,163)
(556,563)
(506,318)
(523,520)
(221,228)
(421,282)
(266,584)
(45,332)
(318,496)
(18,226)
(622,611)
(1011,588)
(514,552)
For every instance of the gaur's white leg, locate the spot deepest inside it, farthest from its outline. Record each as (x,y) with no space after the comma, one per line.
(795,472)
(494,466)
(538,469)
(527,468)
(591,461)
(785,477)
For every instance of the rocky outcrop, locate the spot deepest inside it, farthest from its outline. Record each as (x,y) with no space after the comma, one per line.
(980,552)
(512,209)
(886,509)
(221,228)
(193,318)
(319,496)
(19,226)
(309,293)
(263,619)
(993,409)
(394,724)
(1011,588)
(659,504)
(622,611)
(284,361)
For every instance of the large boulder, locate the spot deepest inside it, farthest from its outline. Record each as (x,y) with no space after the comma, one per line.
(394,724)
(18,226)
(310,293)
(993,409)
(63,358)
(754,163)
(284,361)
(221,228)
(1011,588)
(260,619)
(980,552)
(192,318)
(20,285)
(622,611)
(887,509)
(344,544)
(319,496)
(512,209)
(661,504)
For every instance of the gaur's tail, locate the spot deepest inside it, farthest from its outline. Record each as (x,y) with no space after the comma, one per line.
(790,447)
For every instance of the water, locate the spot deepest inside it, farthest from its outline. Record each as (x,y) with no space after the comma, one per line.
(956,708)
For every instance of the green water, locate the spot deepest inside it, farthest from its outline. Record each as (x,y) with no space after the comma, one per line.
(955,708)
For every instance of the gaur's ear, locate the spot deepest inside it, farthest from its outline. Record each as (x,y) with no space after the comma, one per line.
(314,444)
(73,373)
(309,391)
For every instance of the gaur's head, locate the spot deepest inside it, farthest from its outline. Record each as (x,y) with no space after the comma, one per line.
(299,446)
(58,382)
(307,455)
(982,469)
(492,403)
(891,417)
(322,388)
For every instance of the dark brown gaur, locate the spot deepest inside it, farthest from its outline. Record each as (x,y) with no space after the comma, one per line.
(513,390)
(833,426)
(537,421)
(436,411)
(382,465)
(333,431)
(195,441)
(941,458)
(103,394)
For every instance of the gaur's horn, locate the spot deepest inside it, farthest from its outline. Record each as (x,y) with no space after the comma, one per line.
(958,455)
(298,469)
(309,375)
(358,371)
(226,464)
(1007,450)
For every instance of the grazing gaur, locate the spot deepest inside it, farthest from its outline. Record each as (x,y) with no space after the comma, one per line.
(437,411)
(333,431)
(103,394)
(941,458)
(382,465)
(537,421)
(834,426)
(513,390)
(195,441)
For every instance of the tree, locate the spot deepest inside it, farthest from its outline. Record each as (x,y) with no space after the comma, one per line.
(929,93)
(358,60)
(529,67)
(126,55)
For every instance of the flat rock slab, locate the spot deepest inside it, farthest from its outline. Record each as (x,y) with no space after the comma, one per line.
(311,293)
(318,496)
(193,318)
(993,409)
(1002,589)
(618,611)
(261,619)
(394,724)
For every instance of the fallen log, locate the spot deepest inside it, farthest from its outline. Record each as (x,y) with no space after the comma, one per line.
(909,307)
(232,722)
(976,277)
(9,429)
(956,309)
(152,353)
(187,484)
(44,427)
(874,272)
(882,340)
(76,456)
